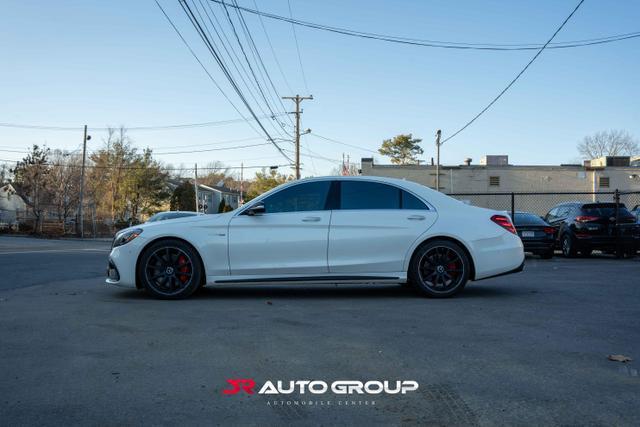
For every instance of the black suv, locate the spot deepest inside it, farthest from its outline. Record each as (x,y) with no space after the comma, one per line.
(582,227)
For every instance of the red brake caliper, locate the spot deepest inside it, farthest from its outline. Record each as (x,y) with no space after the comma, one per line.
(183,269)
(452,266)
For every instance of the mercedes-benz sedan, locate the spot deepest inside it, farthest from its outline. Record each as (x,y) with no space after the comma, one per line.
(323,230)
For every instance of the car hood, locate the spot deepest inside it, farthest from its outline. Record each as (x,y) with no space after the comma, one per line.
(160,226)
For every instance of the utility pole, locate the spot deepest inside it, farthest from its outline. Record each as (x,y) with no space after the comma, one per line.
(241,201)
(85,138)
(195,186)
(438,144)
(298,99)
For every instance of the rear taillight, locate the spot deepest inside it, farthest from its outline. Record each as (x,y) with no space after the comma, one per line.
(549,230)
(587,218)
(504,222)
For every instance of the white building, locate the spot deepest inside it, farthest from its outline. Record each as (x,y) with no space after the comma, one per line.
(10,204)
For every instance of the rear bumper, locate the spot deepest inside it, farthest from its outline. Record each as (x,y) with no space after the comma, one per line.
(538,245)
(515,270)
(498,255)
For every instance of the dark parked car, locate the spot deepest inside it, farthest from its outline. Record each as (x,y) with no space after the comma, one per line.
(584,227)
(636,212)
(536,234)
(162,216)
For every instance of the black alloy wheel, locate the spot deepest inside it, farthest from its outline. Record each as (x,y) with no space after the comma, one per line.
(440,269)
(170,269)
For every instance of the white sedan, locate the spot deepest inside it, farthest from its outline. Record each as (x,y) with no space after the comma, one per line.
(323,230)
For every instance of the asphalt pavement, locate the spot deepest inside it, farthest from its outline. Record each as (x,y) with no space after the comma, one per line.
(526,349)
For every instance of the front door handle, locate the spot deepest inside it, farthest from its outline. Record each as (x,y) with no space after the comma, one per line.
(416,217)
(311,219)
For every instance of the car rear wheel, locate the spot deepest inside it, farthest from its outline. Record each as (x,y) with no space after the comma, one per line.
(170,269)
(440,269)
(568,246)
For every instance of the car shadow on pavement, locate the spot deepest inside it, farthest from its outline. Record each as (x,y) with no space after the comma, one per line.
(333,291)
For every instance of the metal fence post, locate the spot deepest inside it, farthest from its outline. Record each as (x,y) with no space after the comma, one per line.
(513,206)
(616,229)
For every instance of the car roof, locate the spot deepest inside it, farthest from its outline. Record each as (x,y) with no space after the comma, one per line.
(431,196)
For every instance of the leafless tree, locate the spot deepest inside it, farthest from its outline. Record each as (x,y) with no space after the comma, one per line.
(65,182)
(614,142)
(32,183)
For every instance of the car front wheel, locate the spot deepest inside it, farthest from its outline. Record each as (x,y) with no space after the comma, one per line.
(170,269)
(440,269)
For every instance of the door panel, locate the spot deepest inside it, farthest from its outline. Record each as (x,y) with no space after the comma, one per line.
(279,243)
(374,241)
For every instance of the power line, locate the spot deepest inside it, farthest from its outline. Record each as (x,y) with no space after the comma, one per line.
(264,68)
(439,43)
(206,28)
(273,51)
(295,37)
(134,128)
(198,27)
(141,168)
(246,58)
(237,147)
(515,78)
(205,68)
(344,143)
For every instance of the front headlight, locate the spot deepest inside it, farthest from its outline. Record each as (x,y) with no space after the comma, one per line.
(126,236)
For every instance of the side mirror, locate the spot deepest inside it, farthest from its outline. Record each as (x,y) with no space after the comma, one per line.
(256,209)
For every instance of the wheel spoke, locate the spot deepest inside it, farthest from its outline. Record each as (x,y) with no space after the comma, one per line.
(169,270)
(441,268)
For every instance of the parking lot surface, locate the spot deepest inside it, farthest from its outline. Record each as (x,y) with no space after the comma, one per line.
(525,349)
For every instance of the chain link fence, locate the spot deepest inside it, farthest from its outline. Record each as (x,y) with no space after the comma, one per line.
(540,203)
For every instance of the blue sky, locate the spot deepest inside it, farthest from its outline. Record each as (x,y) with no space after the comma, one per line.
(68,63)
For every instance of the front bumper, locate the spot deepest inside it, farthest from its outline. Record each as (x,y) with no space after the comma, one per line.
(121,267)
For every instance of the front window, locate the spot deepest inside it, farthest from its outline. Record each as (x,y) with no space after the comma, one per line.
(310,196)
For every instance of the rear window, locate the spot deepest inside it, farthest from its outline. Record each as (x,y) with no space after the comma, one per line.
(527,218)
(605,209)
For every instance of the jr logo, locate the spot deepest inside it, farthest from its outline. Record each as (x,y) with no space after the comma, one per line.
(240,384)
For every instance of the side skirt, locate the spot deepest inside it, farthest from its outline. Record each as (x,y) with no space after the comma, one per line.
(309,279)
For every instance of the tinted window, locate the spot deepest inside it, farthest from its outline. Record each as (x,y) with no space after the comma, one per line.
(311,196)
(409,201)
(368,195)
(564,211)
(553,213)
(528,218)
(605,209)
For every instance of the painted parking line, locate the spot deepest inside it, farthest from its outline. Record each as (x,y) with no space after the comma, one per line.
(38,251)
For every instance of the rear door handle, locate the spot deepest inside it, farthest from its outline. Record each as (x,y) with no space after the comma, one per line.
(311,219)
(416,217)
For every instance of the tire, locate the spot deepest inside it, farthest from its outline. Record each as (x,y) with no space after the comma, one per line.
(439,269)
(170,269)
(568,246)
(547,255)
